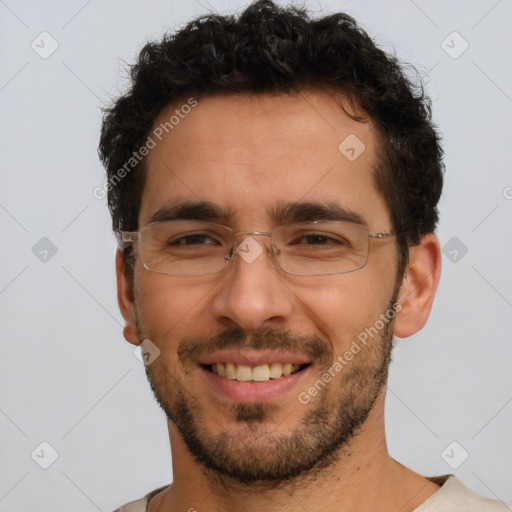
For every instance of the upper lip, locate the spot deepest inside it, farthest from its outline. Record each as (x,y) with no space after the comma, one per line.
(252,357)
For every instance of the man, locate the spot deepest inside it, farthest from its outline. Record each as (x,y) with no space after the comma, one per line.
(273,182)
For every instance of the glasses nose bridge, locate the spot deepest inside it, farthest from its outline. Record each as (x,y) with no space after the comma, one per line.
(238,238)
(236,235)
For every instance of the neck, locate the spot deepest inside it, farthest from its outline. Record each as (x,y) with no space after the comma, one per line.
(362,477)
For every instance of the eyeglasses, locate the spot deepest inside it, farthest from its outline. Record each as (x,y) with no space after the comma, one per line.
(196,248)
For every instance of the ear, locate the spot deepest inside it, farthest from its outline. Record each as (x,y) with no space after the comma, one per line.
(124,299)
(419,286)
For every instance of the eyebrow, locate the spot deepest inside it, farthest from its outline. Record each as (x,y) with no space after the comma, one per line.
(306,211)
(192,210)
(282,213)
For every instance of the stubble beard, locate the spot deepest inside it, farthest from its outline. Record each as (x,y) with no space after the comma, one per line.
(258,455)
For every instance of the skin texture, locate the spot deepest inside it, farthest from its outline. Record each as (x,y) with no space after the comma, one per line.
(248,153)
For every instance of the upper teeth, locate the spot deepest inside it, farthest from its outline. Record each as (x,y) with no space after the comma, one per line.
(259,373)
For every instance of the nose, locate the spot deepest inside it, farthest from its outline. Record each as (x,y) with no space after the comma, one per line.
(252,292)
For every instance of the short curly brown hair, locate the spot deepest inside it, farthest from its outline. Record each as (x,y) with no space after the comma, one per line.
(269,49)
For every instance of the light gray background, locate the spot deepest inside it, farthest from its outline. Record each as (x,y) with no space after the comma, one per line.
(67,375)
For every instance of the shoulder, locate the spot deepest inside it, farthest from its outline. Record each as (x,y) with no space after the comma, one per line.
(141,504)
(454,496)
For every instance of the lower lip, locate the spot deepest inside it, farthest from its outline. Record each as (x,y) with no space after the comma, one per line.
(249,392)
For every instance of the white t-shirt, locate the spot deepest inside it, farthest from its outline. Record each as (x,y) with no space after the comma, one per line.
(453,496)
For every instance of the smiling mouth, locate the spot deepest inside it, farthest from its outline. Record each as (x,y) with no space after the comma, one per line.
(258,373)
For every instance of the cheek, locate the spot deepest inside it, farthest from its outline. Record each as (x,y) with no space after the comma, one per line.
(170,308)
(343,306)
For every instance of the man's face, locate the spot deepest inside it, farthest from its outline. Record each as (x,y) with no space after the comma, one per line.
(250,155)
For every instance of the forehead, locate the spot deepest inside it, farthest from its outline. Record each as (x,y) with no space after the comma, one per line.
(252,154)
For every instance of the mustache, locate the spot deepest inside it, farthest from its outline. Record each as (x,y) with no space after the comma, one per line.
(265,338)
